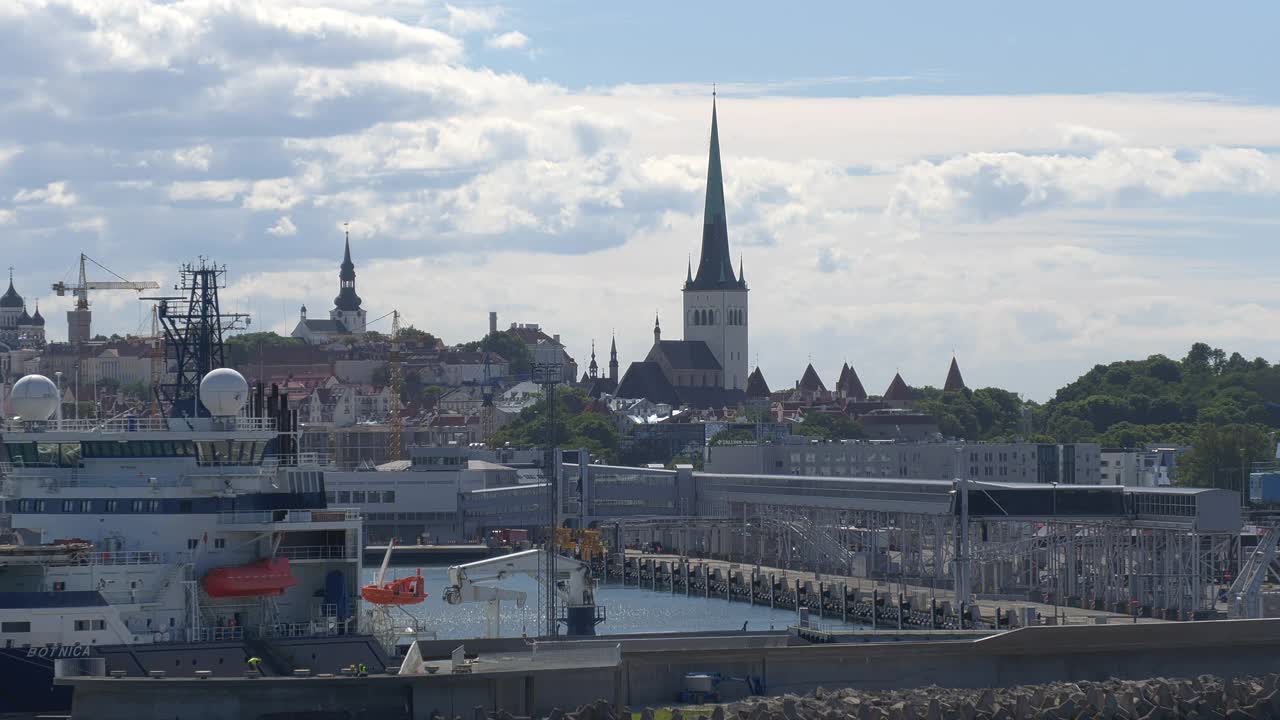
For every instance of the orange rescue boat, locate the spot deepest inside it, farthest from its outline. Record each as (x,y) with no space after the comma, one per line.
(265,577)
(404,591)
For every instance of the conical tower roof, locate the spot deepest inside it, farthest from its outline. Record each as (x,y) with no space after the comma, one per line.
(954,380)
(37,318)
(810,382)
(715,265)
(24,318)
(850,386)
(11,298)
(898,390)
(756,386)
(347,298)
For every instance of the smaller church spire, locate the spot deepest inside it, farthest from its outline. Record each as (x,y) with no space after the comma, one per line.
(742,274)
(657,329)
(688,278)
(593,370)
(613,359)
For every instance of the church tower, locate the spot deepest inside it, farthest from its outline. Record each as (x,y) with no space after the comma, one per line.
(346,306)
(715,299)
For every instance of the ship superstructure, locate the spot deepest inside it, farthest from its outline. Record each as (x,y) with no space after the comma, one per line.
(198,537)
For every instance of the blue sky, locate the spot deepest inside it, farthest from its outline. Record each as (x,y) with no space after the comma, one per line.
(1038,188)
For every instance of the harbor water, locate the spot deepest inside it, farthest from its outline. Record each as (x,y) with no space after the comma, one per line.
(630,610)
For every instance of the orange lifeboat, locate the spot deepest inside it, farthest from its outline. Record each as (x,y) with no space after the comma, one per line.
(405,591)
(265,577)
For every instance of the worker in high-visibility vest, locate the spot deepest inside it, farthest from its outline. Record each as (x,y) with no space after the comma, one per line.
(254,662)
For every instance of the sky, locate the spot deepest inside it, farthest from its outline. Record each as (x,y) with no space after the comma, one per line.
(1035,188)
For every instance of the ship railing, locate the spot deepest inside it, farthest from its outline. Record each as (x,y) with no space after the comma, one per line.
(214,634)
(134,557)
(287,516)
(314,552)
(304,629)
(142,424)
(78,480)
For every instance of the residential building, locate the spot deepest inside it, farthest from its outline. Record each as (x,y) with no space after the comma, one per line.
(1140,467)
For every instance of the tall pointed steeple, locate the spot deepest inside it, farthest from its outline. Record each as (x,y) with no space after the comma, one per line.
(954,380)
(613,360)
(347,298)
(657,329)
(715,265)
(593,370)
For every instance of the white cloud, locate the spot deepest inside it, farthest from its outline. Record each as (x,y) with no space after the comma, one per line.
(211,190)
(994,185)
(283,227)
(96,224)
(1041,222)
(195,158)
(463,21)
(513,40)
(273,194)
(55,193)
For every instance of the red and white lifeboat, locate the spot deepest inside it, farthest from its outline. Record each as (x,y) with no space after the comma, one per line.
(256,579)
(404,591)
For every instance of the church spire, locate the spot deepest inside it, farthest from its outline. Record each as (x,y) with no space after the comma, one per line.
(347,299)
(715,265)
(657,329)
(593,370)
(613,359)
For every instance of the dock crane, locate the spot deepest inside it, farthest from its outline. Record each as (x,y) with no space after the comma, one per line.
(78,320)
(395,377)
(478,582)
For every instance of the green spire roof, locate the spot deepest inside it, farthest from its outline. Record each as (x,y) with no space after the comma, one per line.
(715,266)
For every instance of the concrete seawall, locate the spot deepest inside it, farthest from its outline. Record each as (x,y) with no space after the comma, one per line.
(654,675)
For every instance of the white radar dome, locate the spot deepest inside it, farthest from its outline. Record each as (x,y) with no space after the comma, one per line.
(223,392)
(34,397)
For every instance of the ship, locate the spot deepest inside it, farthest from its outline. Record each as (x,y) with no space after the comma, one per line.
(189,540)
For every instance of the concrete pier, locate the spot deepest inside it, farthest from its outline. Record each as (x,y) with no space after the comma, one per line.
(842,597)
(652,673)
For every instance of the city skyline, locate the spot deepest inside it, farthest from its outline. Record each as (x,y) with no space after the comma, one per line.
(888,210)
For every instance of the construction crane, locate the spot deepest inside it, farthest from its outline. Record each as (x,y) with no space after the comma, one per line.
(78,319)
(487,410)
(395,420)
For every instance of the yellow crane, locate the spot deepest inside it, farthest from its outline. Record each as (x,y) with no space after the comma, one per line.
(78,319)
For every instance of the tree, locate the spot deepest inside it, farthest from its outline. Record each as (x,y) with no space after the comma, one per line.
(576,426)
(731,437)
(829,426)
(243,348)
(1220,456)
(509,346)
(411,334)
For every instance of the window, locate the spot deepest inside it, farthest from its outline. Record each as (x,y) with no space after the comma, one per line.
(86,506)
(89,625)
(153,506)
(23,626)
(68,506)
(59,586)
(357,496)
(137,505)
(344,496)
(219,543)
(388,496)
(113,506)
(330,496)
(192,543)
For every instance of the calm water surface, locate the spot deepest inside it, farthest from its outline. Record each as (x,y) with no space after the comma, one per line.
(630,610)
